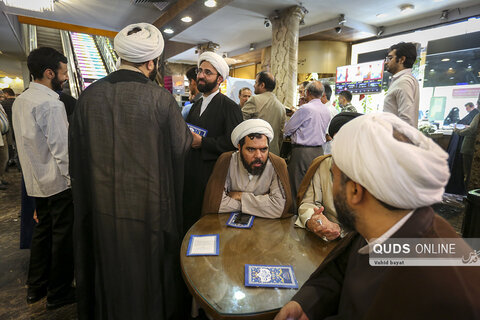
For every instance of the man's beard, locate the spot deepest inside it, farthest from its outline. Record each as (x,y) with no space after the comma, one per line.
(345,214)
(205,86)
(256,171)
(57,84)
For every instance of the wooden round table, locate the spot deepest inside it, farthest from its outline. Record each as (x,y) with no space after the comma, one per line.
(217,282)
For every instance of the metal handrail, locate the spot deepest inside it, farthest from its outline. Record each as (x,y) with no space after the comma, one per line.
(75,77)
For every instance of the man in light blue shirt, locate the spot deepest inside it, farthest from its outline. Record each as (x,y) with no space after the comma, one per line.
(307,129)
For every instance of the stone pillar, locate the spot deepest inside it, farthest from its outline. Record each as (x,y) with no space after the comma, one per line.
(284,57)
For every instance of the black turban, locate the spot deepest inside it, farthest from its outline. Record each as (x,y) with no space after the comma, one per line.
(339,120)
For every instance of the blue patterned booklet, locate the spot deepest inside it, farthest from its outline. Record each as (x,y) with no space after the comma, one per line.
(197,130)
(240,220)
(257,275)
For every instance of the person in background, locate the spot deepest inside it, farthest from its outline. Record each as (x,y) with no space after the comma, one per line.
(265,105)
(7,105)
(301,93)
(403,95)
(345,101)
(41,134)
(194,94)
(244,94)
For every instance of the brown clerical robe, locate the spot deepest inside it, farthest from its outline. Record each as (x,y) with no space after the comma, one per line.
(345,286)
(216,184)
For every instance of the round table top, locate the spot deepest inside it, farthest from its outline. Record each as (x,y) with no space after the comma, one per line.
(218,282)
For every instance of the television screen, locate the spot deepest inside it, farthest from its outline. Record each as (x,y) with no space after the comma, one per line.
(360,78)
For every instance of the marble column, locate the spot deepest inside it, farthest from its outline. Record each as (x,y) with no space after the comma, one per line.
(284,56)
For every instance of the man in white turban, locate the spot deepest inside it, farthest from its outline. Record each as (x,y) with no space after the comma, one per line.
(251,180)
(216,116)
(128,145)
(386,175)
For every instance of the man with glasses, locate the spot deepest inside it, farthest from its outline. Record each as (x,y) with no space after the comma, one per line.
(402,98)
(216,116)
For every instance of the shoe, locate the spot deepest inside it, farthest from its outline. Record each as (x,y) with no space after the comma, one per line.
(34,296)
(69,298)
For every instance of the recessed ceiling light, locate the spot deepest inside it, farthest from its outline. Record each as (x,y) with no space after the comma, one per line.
(459,61)
(406,8)
(168,31)
(186,19)
(445,59)
(432,70)
(210,3)
(381,15)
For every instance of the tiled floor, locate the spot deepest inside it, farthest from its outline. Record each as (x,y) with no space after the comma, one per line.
(14,262)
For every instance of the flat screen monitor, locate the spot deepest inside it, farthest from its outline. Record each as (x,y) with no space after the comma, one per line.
(360,78)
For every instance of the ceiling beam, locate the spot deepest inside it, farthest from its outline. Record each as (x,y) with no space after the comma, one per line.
(66,26)
(172,48)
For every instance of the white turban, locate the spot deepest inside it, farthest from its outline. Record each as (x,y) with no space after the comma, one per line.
(217,62)
(141,46)
(251,126)
(400,174)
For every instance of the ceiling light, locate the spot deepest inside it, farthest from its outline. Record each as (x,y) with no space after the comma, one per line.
(168,31)
(210,3)
(381,15)
(186,19)
(445,59)
(444,15)
(432,70)
(459,61)
(406,8)
(338,29)
(341,19)
(252,47)
(32,5)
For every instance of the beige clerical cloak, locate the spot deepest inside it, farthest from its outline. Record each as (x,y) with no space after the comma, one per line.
(261,194)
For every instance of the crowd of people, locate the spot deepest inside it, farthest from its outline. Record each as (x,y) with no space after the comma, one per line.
(119,183)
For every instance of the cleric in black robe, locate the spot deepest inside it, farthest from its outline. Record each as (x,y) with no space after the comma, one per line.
(128,142)
(217,114)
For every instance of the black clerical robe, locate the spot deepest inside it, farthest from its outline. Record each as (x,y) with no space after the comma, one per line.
(345,286)
(128,142)
(220,117)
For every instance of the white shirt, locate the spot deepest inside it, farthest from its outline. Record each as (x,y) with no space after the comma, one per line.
(206,101)
(369,247)
(41,132)
(403,97)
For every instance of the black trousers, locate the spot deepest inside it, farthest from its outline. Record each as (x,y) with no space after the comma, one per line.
(51,255)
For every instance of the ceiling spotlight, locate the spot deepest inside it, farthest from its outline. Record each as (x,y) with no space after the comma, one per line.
(266,22)
(168,31)
(406,8)
(302,22)
(445,59)
(341,19)
(210,3)
(338,29)
(186,19)
(252,47)
(380,31)
(459,61)
(444,15)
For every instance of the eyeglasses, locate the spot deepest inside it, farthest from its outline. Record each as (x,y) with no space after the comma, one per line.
(389,58)
(206,72)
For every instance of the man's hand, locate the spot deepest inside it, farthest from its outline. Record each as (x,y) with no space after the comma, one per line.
(291,311)
(197,140)
(326,229)
(237,195)
(35,216)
